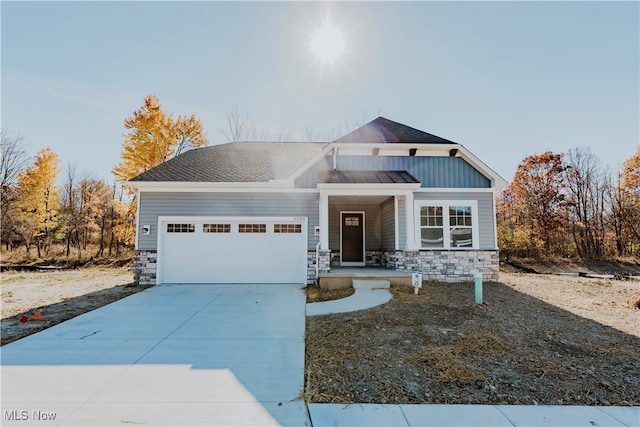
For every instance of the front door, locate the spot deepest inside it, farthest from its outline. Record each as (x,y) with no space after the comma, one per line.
(352,238)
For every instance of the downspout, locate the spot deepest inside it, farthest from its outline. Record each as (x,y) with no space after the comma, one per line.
(335,158)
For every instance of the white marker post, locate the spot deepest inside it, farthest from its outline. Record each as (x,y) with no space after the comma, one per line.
(416,280)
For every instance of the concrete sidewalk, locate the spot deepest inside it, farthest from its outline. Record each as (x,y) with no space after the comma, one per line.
(371,415)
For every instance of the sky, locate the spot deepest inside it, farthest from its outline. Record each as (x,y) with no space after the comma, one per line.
(504,79)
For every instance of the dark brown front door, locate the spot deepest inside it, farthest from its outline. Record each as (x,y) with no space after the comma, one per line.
(352,238)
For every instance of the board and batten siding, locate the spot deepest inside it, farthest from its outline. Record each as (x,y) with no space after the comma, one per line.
(486,215)
(155,204)
(438,172)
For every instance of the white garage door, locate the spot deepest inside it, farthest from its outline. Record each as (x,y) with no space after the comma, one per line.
(219,250)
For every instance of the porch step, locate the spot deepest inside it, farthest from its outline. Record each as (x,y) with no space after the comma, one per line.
(342,278)
(370,284)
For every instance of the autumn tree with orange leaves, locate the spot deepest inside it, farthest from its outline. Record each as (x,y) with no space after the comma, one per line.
(532,208)
(570,205)
(37,206)
(626,206)
(154,137)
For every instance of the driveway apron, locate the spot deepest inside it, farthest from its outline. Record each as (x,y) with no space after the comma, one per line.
(170,355)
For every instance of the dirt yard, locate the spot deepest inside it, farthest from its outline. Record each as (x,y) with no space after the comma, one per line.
(57,296)
(538,339)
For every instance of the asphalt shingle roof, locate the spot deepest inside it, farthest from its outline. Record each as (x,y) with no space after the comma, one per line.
(266,161)
(235,162)
(382,130)
(366,177)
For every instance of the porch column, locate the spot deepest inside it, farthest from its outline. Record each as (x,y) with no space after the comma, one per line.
(324,221)
(395,223)
(411,233)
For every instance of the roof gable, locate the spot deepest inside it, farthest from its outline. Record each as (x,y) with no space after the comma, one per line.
(383,130)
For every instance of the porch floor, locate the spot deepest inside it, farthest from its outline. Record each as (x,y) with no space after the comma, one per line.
(342,277)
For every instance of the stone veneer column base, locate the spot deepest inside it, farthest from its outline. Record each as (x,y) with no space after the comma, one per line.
(446,265)
(324,264)
(144,267)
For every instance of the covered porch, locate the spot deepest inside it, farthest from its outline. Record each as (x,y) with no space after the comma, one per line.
(363,214)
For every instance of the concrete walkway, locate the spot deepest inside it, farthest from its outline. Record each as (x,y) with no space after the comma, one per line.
(360,300)
(171,355)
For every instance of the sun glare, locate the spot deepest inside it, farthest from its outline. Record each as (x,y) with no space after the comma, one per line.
(327,43)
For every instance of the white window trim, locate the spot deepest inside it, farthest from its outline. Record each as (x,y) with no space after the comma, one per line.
(445,204)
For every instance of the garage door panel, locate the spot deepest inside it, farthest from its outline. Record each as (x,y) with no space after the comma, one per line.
(235,257)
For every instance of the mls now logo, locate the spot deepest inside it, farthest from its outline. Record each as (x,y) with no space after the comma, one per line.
(24,415)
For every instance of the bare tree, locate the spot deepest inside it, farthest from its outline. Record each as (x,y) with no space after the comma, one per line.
(69,206)
(13,160)
(237,126)
(309,134)
(586,201)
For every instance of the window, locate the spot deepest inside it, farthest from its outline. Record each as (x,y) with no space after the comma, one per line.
(287,228)
(216,228)
(431,227)
(181,228)
(447,225)
(460,231)
(352,221)
(252,228)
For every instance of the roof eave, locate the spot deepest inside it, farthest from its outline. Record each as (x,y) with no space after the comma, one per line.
(369,186)
(186,185)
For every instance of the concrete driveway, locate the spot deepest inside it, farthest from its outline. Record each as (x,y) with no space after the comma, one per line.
(171,355)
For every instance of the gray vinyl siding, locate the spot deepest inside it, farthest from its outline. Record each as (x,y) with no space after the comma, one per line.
(486,215)
(372,236)
(402,223)
(154,204)
(388,233)
(438,172)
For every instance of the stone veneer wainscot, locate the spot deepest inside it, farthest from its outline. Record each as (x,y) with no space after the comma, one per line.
(144,267)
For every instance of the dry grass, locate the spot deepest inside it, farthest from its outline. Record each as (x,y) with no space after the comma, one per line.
(315,294)
(439,347)
(23,291)
(447,361)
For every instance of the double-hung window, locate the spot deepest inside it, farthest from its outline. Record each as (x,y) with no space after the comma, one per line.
(447,224)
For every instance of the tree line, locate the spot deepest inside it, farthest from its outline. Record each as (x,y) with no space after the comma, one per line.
(570,205)
(558,204)
(84,213)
